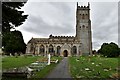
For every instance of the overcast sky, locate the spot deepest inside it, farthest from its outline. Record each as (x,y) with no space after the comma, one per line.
(58,18)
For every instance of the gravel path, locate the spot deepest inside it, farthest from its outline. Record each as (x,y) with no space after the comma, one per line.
(61,70)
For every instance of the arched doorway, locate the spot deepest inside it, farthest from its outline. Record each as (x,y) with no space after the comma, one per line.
(65,53)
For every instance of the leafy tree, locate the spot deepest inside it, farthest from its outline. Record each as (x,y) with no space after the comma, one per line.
(15,43)
(12,17)
(110,50)
(94,52)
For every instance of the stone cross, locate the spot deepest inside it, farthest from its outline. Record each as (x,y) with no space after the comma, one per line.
(49,59)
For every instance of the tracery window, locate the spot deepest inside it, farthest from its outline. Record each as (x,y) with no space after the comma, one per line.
(31,48)
(74,49)
(51,50)
(58,50)
(42,49)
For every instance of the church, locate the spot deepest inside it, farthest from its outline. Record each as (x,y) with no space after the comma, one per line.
(80,44)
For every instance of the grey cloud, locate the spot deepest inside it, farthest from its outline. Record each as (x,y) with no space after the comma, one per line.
(104,23)
(61,6)
(97,45)
(38,26)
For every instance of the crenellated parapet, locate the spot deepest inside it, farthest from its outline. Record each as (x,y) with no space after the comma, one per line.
(83,7)
(51,36)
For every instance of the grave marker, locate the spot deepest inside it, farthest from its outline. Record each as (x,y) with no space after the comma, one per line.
(49,59)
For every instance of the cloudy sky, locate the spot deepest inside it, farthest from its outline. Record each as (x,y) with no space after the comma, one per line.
(58,18)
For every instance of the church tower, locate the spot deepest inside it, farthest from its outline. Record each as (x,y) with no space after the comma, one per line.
(83,29)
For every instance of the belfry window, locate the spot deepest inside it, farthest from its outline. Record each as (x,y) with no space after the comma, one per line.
(80,27)
(83,26)
(80,16)
(86,16)
(83,16)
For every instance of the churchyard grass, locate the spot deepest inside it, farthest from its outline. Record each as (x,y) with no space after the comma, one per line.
(45,71)
(93,67)
(20,61)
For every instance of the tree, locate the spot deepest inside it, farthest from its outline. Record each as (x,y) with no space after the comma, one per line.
(94,52)
(15,43)
(109,50)
(12,17)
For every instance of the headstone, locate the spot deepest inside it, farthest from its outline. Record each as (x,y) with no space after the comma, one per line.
(93,63)
(1,51)
(87,69)
(10,54)
(97,65)
(16,55)
(49,59)
(89,58)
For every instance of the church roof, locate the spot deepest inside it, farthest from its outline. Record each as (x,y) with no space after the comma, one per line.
(53,39)
(35,40)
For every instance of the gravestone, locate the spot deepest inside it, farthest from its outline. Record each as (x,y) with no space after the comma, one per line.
(49,59)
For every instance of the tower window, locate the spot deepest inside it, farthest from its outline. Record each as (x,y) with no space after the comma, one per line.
(83,16)
(80,16)
(86,16)
(83,26)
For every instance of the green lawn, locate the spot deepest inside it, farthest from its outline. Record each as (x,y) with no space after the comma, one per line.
(11,62)
(95,67)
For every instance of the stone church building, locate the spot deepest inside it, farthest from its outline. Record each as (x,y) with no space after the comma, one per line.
(80,44)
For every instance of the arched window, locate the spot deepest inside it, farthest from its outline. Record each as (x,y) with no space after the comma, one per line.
(58,50)
(83,26)
(83,16)
(86,16)
(80,27)
(51,49)
(74,50)
(31,48)
(42,49)
(80,16)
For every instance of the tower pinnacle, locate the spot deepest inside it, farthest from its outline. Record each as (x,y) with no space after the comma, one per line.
(77,4)
(88,4)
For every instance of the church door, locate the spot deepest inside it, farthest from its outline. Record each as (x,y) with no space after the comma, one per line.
(65,53)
